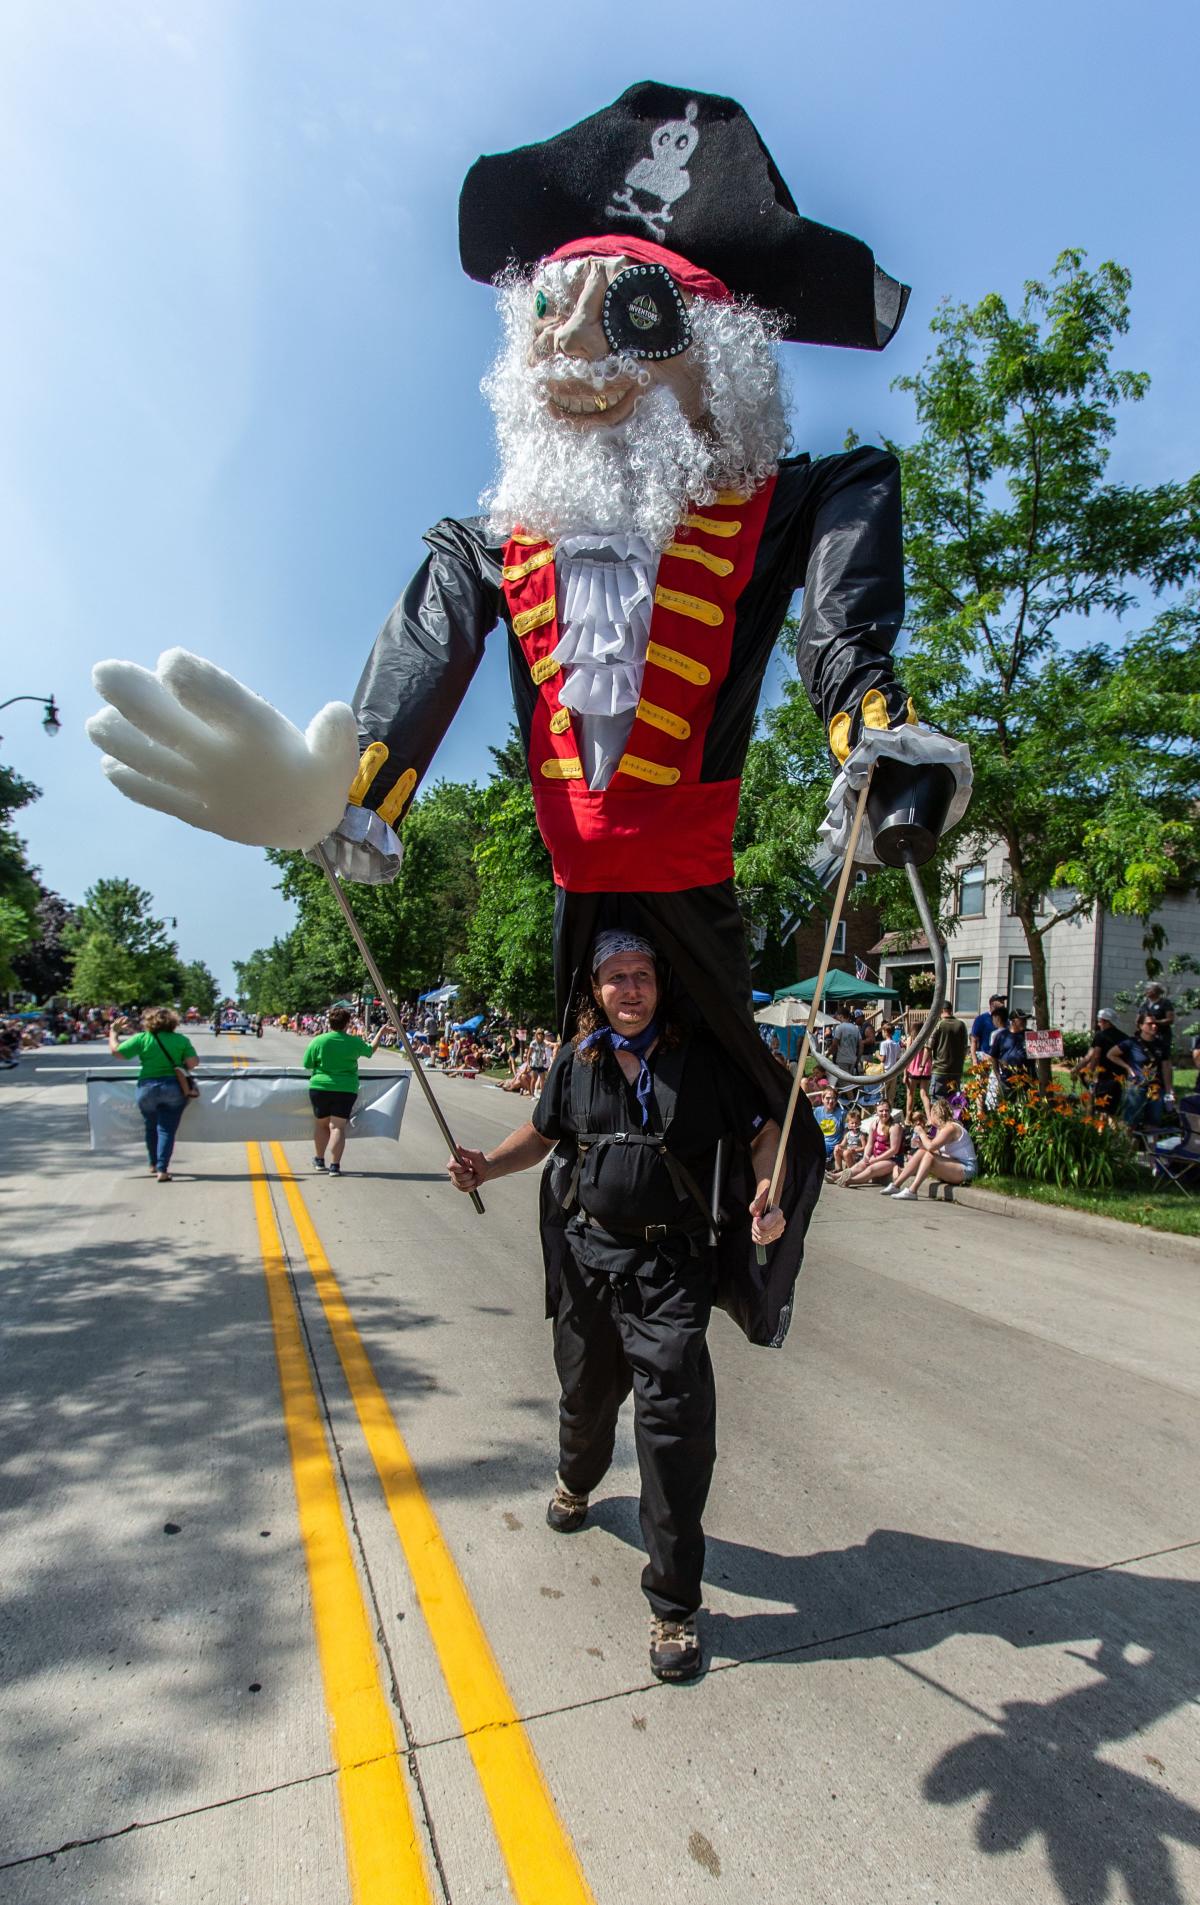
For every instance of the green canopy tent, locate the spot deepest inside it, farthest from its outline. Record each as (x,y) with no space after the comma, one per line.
(840,989)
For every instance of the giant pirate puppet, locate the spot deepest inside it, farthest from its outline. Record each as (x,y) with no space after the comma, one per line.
(642,543)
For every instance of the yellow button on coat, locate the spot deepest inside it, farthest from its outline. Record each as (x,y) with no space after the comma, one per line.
(534,618)
(692,552)
(648,770)
(678,664)
(693,605)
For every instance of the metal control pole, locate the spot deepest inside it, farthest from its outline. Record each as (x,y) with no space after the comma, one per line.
(384,993)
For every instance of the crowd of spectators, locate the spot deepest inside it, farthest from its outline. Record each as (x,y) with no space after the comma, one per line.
(870,1140)
(499,1050)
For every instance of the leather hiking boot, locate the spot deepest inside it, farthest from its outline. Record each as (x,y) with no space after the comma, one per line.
(674,1649)
(566,1512)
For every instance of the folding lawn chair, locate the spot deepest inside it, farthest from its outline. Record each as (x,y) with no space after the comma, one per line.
(1180,1163)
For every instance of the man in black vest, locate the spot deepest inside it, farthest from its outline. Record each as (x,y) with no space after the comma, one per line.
(655,1136)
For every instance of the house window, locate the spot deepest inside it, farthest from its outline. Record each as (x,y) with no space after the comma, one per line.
(1039,904)
(1020,986)
(967,978)
(839,938)
(972,888)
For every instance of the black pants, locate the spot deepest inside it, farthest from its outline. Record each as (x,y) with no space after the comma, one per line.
(645,1332)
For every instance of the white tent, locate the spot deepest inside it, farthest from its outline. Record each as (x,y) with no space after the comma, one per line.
(790,1012)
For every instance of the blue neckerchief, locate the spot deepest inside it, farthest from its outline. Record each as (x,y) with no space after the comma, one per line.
(639,1045)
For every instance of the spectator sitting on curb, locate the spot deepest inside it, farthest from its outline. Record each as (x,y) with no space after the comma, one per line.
(884,1153)
(948,1153)
(852,1144)
(830,1119)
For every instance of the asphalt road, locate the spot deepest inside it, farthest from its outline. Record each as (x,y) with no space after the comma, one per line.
(281,1622)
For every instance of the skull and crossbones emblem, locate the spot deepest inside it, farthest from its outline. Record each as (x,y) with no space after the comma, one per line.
(663,176)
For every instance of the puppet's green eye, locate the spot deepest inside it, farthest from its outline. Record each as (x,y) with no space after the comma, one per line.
(540,304)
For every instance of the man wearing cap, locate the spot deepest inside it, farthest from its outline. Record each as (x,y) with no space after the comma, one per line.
(661,1164)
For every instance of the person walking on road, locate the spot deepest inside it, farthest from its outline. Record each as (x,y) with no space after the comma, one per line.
(332,1058)
(163,1052)
(637,1107)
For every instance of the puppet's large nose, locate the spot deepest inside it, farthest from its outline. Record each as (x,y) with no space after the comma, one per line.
(581,333)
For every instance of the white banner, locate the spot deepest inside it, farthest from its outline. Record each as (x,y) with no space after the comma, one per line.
(250,1105)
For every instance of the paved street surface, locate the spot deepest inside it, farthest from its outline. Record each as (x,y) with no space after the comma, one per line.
(314,1644)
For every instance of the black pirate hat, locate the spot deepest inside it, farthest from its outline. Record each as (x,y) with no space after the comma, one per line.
(689,172)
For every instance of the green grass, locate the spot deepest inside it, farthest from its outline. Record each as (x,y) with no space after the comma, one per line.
(1152,1209)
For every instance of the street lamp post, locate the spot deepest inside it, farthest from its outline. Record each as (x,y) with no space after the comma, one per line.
(50,720)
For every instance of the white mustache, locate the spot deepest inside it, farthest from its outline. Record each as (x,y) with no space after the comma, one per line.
(581,370)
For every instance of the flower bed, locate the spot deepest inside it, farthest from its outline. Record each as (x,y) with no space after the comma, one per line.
(1044,1136)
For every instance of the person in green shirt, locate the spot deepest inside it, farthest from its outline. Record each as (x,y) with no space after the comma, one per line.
(160,1049)
(332,1058)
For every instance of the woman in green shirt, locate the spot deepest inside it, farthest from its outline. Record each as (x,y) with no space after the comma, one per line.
(332,1058)
(161,1048)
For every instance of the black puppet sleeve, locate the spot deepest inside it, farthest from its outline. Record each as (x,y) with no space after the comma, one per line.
(422,664)
(833,530)
(848,557)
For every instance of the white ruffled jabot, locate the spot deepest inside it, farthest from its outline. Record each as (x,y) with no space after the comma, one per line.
(606,591)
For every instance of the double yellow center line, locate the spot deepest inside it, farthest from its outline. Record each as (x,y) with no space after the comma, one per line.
(381,1835)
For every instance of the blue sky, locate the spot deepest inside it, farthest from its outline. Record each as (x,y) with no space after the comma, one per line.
(239,362)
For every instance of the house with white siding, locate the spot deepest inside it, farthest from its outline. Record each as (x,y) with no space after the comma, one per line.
(1089,958)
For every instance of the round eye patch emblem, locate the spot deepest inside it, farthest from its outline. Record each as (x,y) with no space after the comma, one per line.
(644,314)
(540,304)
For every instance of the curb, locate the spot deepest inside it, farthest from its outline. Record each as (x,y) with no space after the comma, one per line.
(1085,1223)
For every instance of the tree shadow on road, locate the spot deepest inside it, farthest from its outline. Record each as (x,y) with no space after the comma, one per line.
(1035,1769)
(157,1651)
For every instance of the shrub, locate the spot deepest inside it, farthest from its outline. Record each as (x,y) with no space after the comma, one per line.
(1076,1044)
(1046,1137)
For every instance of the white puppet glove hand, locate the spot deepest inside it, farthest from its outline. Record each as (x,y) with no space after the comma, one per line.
(191,741)
(913,743)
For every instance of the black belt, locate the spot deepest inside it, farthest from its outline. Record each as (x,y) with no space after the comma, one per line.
(649,1233)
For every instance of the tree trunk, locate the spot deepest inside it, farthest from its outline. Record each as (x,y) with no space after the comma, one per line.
(1023,905)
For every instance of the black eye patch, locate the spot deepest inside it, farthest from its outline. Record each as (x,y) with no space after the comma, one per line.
(644,314)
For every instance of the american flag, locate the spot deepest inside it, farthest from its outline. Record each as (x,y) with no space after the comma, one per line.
(860,968)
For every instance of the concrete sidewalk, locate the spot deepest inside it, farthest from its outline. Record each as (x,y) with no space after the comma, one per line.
(953,1577)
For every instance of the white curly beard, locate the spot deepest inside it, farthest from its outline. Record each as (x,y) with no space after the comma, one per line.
(635,477)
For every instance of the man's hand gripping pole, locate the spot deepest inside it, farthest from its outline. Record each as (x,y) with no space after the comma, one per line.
(322,857)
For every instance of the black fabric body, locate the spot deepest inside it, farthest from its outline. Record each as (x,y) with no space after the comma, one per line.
(689,171)
(646,1332)
(624,1183)
(833,529)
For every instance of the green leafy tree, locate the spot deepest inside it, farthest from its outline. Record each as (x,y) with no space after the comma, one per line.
(416,927)
(1085,756)
(19,890)
(198,986)
(119,950)
(43,966)
(508,959)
